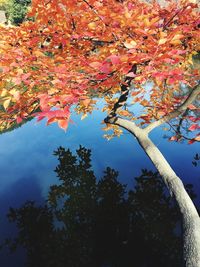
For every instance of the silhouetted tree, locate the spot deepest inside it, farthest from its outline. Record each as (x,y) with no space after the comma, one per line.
(35,233)
(90,223)
(74,203)
(111,219)
(153,220)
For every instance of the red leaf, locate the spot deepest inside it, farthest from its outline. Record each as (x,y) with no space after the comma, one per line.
(19,120)
(193,127)
(191,141)
(25,76)
(44,98)
(101,76)
(114,59)
(194,119)
(6,69)
(105,68)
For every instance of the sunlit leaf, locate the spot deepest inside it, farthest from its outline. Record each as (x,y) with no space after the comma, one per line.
(6,102)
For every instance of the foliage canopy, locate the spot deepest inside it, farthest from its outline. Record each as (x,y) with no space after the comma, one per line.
(73,51)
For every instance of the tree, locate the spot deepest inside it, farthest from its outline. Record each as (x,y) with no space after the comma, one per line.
(4,4)
(86,222)
(130,53)
(15,10)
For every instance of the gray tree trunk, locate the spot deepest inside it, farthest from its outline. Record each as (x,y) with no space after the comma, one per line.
(190,217)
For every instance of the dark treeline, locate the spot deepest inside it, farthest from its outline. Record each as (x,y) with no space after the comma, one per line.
(87,222)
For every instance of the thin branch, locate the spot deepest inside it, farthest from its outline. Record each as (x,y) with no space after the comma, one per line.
(89,5)
(73,23)
(178,111)
(181,122)
(94,10)
(180,135)
(97,41)
(171,19)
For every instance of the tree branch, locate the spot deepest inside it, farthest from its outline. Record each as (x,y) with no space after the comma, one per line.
(123,97)
(130,126)
(171,19)
(191,97)
(178,131)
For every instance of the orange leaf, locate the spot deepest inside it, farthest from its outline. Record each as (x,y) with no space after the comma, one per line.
(191,106)
(173,138)
(197,138)
(63,124)
(124,113)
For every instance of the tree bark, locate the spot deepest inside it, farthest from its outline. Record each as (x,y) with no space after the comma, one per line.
(190,217)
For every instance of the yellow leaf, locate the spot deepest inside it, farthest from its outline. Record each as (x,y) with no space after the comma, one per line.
(162,41)
(124,58)
(163,35)
(4,92)
(146,22)
(13,91)
(92,25)
(127,15)
(39,53)
(107,128)
(177,37)
(155,20)
(138,78)
(6,102)
(84,116)
(20,71)
(197,138)
(175,42)
(190,61)
(52,91)
(193,1)
(130,44)
(15,94)
(108,136)
(194,53)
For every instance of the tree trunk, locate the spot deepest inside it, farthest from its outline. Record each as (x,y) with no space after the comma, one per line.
(190,217)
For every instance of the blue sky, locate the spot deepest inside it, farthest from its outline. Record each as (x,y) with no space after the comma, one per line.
(27,152)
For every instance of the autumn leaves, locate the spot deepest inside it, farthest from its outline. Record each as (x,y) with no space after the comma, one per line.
(91,49)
